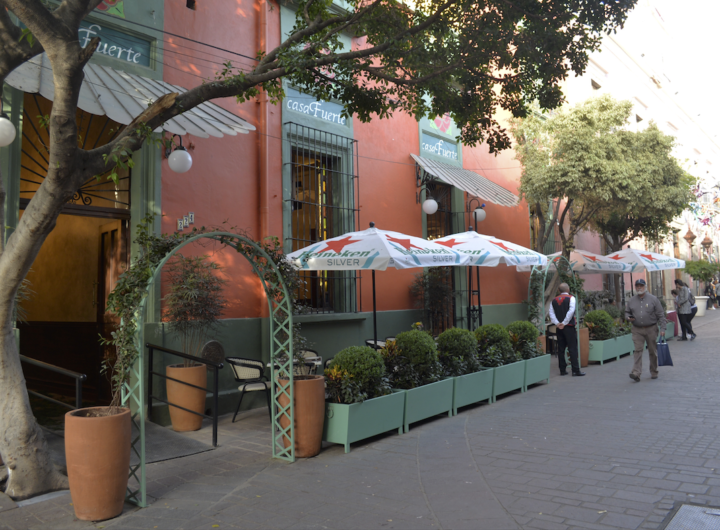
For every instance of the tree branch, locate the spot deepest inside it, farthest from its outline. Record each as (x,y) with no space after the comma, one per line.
(74,11)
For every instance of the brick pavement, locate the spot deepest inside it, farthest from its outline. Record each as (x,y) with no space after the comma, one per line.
(599,452)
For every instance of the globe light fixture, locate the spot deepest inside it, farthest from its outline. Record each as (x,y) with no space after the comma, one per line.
(179,159)
(479,214)
(7,130)
(430,206)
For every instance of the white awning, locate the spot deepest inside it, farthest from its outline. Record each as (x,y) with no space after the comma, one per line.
(468,181)
(122,97)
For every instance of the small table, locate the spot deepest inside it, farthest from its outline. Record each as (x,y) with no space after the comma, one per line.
(378,346)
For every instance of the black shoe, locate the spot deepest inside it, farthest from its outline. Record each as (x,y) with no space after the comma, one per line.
(635,378)
(682,339)
(578,374)
(692,337)
(563,373)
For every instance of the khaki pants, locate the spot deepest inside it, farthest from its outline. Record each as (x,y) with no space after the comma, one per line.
(640,336)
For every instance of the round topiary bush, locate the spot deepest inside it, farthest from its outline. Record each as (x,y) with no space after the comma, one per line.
(412,360)
(490,335)
(600,324)
(355,374)
(613,311)
(457,349)
(525,331)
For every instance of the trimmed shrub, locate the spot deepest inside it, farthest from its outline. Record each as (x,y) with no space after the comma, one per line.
(490,335)
(457,351)
(613,311)
(412,360)
(523,337)
(600,324)
(498,355)
(355,374)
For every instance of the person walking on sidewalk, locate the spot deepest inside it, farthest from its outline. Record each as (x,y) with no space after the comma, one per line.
(562,314)
(646,313)
(685,302)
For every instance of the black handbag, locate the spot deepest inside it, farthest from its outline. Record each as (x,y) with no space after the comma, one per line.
(663,353)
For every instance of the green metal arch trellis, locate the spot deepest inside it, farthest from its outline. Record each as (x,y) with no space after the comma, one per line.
(281,355)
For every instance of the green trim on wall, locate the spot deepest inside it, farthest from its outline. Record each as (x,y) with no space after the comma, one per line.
(504,313)
(10,157)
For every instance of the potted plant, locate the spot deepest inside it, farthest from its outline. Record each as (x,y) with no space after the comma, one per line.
(495,350)
(360,403)
(192,308)
(411,360)
(524,338)
(457,353)
(607,340)
(701,271)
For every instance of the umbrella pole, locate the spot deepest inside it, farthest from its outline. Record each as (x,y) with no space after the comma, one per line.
(632,290)
(374,314)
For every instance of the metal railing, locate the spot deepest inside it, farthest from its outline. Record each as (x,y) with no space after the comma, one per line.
(79,378)
(215,366)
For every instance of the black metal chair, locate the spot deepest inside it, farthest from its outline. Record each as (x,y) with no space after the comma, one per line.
(251,376)
(312,361)
(327,363)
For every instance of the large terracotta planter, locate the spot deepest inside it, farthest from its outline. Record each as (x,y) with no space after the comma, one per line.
(97,450)
(543,343)
(584,347)
(186,396)
(309,401)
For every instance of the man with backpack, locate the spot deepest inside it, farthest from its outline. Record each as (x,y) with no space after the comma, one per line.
(686,309)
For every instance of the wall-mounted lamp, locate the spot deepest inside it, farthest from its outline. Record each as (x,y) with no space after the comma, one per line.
(430,206)
(7,129)
(478,213)
(179,159)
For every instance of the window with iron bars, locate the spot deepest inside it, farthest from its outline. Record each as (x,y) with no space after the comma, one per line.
(324,185)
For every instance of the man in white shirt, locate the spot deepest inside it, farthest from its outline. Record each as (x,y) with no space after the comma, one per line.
(562,314)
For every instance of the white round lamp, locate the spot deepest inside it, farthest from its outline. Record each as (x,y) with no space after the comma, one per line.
(479,214)
(430,206)
(7,130)
(180,160)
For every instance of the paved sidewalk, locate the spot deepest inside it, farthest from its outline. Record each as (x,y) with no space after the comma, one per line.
(598,452)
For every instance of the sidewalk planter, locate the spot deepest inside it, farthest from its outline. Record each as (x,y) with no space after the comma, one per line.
(427,401)
(669,330)
(345,424)
(602,350)
(584,334)
(509,377)
(701,302)
(536,370)
(472,388)
(186,396)
(309,417)
(97,450)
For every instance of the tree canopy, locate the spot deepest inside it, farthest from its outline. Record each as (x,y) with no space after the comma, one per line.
(583,163)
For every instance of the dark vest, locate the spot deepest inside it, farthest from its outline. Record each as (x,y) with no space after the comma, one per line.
(561,306)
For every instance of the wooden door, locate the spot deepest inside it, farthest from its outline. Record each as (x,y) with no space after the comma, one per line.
(113,260)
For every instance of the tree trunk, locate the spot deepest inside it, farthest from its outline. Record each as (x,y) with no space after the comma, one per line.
(22,444)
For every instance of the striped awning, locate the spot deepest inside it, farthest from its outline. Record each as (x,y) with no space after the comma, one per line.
(468,181)
(122,97)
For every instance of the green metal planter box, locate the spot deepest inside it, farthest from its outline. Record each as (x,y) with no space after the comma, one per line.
(602,350)
(669,330)
(536,370)
(472,388)
(427,401)
(345,424)
(508,378)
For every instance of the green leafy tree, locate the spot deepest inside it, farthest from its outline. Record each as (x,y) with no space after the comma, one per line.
(702,270)
(466,58)
(581,168)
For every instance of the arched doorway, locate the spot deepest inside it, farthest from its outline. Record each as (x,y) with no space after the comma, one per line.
(79,263)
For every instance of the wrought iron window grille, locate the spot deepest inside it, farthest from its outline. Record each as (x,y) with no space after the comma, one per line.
(324,185)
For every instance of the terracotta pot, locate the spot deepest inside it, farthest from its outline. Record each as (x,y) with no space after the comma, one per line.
(543,343)
(185,396)
(97,450)
(584,347)
(309,398)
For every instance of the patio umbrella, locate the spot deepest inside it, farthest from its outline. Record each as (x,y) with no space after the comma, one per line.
(642,260)
(375,249)
(488,251)
(583,262)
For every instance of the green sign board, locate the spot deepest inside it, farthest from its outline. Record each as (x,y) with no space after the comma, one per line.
(121,46)
(438,146)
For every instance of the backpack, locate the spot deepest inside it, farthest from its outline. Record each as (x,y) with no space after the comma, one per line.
(691,297)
